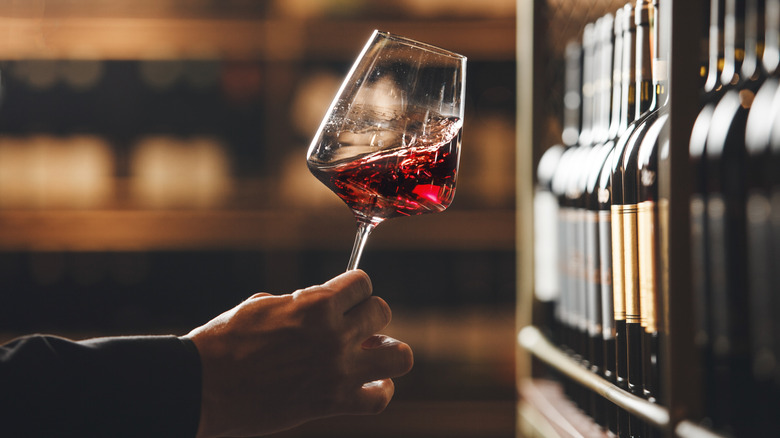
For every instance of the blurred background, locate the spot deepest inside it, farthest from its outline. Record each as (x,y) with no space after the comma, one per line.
(152,176)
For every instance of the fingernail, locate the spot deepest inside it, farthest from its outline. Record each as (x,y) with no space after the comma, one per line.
(372,384)
(377,341)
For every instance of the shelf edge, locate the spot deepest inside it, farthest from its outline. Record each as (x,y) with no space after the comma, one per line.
(688,429)
(532,340)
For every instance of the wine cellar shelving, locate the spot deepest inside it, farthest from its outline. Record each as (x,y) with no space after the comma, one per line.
(694,354)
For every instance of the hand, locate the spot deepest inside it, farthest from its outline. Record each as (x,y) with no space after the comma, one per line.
(274,362)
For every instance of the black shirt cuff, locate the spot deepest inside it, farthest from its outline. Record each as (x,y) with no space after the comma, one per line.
(141,386)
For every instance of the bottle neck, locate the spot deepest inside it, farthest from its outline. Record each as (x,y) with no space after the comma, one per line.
(660,61)
(733,42)
(704,44)
(605,55)
(645,100)
(586,133)
(617,59)
(754,38)
(572,99)
(628,109)
(771,55)
(714,66)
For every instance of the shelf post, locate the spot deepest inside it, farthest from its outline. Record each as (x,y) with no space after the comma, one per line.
(680,367)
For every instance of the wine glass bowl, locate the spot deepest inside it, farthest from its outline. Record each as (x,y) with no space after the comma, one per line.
(389,144)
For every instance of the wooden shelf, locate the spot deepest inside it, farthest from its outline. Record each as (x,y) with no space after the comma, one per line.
(140,230)
(688,429)
(282,39)
(532,340)
(535,343)
(544,410)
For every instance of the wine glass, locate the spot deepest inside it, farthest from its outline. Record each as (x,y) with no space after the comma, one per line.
(389,144)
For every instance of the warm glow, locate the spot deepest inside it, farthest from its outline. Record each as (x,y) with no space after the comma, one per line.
(53,172)
(169,172)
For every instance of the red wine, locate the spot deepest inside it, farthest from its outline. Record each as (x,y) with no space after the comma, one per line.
(403,181)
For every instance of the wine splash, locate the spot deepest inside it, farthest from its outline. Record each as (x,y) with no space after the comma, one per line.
(413,178)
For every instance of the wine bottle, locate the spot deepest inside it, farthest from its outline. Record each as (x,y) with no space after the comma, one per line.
(726,226)
(760,168)
(590,248)
(771,169)
(572,122)
(628,115)
(598,190)
(650,256)
(646,92)
(547,241)
(628,169)
(566,309)
(546,279)
(602,192)
(563,312)
(770,61)
(774,199)
(617,189)
(640,171)
(563,185)
(700,247)
(587,144)
(601,146)
(591,46)
(624,201)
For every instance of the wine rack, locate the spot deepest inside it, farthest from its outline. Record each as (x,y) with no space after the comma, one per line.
(543,29)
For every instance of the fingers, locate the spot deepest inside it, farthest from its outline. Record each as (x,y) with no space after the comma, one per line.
(351,288)
(259,295)
(368,317)
(372,397)
(383,357)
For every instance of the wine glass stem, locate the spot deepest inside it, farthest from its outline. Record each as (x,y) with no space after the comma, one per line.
(364,229)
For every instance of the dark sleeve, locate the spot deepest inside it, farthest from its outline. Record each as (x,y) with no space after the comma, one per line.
(107,387)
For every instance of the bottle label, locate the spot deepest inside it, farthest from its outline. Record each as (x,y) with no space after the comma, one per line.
(618,293)
(546,246)
(763,324)
(660,72)
(630,263)
(605,274)
(774,220)
(563,305)
(648,281)
(577,270)
(716,228)
(699,268)
(591,273)
(661,313)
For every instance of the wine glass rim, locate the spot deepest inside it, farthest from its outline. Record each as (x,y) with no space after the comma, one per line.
(419,44)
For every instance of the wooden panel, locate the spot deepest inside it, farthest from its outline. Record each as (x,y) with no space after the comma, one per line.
(129,230)
(273,39)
